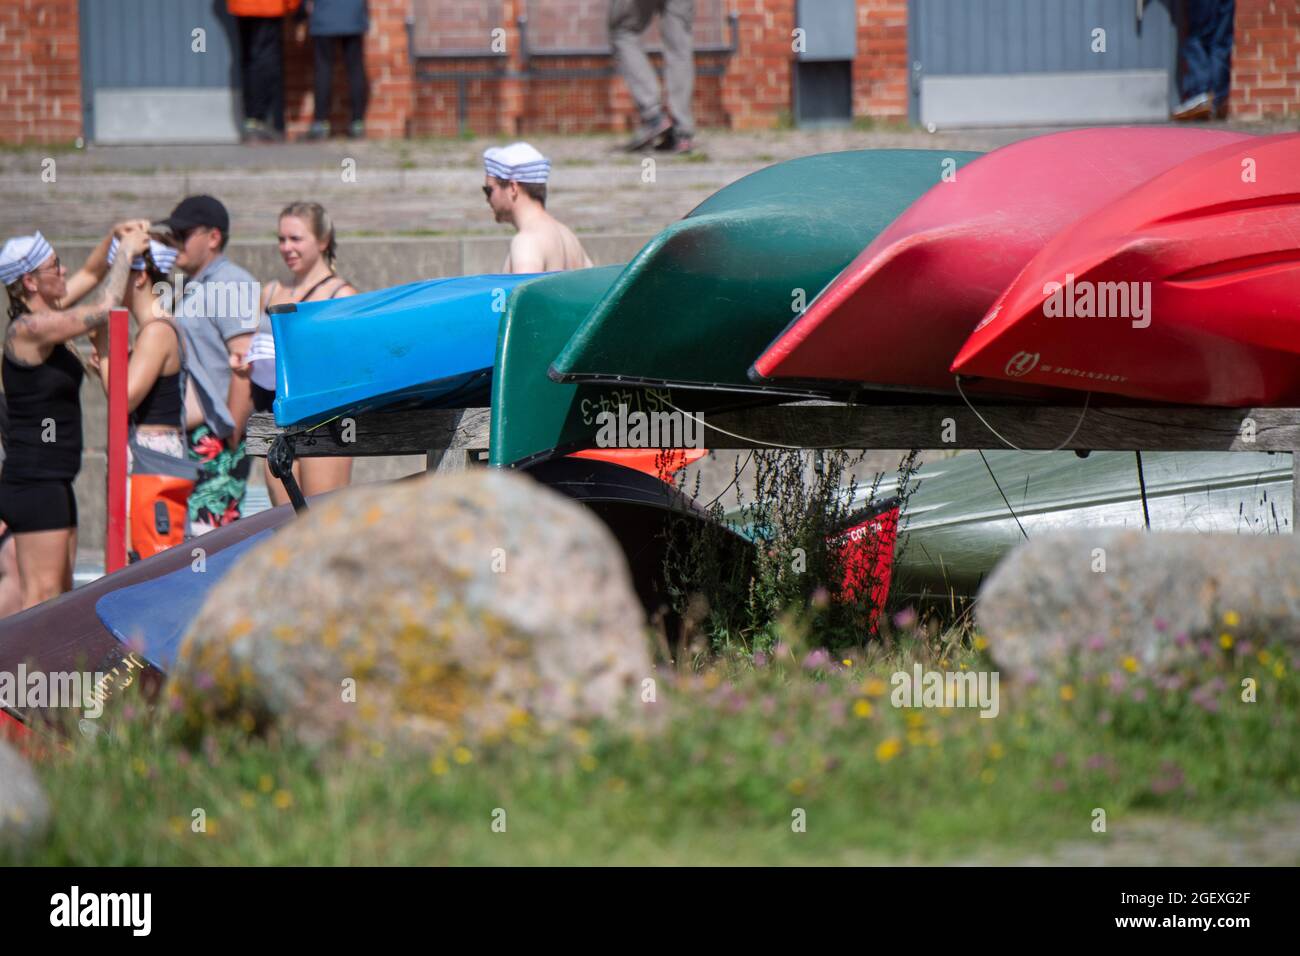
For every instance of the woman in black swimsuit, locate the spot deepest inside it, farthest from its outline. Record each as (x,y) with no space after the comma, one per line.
(42,381)
(308,248)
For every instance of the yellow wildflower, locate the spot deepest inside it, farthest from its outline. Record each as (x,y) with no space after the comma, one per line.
(996,752)
(1265,658)
(846,662)
(462,755)
(862,708)
(438,766)
(587,762)
(915,720)
(1067,692)
(265,783)
(874,687)
(1231,618)
(887,750)
(797,786)
(1225,641)
(1130,664)
(283,799)
(981,643)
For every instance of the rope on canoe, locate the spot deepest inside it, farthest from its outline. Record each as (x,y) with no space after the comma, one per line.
(998,485)
(701,422)
(1087,397)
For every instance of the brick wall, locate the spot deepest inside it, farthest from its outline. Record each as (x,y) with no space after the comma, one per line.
(1266,60)
(881,72)
(40,94)
(40,71)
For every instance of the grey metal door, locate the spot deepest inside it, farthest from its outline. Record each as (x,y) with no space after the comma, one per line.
(1029,62)
(159,71)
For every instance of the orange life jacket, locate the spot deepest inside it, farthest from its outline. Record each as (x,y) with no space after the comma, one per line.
(262,8)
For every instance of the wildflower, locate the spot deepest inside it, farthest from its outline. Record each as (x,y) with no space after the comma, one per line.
(1225,641)
(1231,618)
(462,755)
(1278,670)
(246,800)
(283,799)
(1067,692)
(587,762)
(1096,643)
(797,786)
(847,662)
(988,775)
(862,708)
(981,643)
(760,659)
(915,720)
(1130,664)
(1139,694)
(816,660)
(1181,639)
(996,752)
(266,783)
(874,687)
(905,619)
(887,750)
(1161,624)
(964,666)
(438,766)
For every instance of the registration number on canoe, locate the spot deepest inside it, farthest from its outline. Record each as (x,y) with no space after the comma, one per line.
(636,399)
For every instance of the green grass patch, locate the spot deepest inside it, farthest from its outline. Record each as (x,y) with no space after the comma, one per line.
(747,747)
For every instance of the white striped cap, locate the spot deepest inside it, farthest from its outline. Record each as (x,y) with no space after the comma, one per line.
(518,163)
(164,257)
(21,255)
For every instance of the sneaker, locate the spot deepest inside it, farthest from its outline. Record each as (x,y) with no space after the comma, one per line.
(649,135)
(254,131)
(1221,108)
(319,129)
(682,145)
(1194,108)
(357,129)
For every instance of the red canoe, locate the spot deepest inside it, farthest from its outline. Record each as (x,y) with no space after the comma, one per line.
(1186,290)
(900,312)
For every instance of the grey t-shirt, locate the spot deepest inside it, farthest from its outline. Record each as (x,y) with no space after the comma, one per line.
(220,303)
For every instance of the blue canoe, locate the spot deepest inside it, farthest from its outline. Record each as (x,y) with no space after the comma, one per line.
(427,343)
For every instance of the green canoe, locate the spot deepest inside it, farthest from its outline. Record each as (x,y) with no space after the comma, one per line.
(534,418)
(707,295)
(957,525)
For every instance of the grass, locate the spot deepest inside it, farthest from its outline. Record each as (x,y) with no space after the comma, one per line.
(747,744)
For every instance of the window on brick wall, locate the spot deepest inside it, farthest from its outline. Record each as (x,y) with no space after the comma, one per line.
(455,26)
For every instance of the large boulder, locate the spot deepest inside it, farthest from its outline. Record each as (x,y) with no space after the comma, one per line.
(24,811)
(1105,595)
(435,610)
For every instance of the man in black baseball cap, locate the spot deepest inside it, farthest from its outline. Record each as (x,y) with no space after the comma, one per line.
(218,314)
(192,212)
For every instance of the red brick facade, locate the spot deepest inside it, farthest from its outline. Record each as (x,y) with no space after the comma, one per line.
(40,71)
(1266,60)
(40,84)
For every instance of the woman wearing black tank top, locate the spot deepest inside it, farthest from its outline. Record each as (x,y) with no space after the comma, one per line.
(308,248)
(42,382)
(153,398)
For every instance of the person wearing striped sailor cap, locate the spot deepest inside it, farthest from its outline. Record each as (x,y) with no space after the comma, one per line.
(42,375)
(158,495)
(514,184)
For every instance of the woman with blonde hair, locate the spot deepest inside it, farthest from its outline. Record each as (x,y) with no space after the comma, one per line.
(309,249)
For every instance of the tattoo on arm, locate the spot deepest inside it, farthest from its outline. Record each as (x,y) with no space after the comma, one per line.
(96,313)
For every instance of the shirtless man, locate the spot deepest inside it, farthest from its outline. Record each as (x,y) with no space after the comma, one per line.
(515,187)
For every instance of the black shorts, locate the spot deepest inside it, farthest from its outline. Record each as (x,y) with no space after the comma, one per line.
(263,398)
(29,506)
